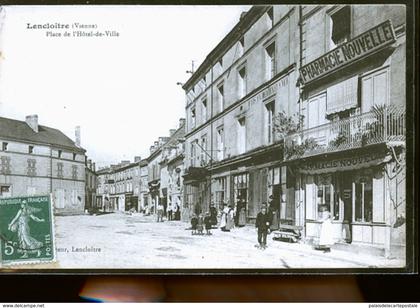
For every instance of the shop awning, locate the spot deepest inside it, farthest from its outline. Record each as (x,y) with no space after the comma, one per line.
(342,96)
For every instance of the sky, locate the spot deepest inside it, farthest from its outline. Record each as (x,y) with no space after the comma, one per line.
(121,90)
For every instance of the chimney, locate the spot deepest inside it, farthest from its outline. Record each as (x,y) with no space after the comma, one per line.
(181,122)
(156,144)
(125,162)
(32,121)
(243,15)
(137,159)
(94,167)
(77,135)
(171,132)
(152,149)
(89,163)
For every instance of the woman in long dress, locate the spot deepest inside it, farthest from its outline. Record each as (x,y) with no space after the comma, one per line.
(326,239)
(20,224)
(223,219)
(230,222)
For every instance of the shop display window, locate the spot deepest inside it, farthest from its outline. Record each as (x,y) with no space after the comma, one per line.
(363,199)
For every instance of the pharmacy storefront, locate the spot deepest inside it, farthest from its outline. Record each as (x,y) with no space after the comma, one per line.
(354,188)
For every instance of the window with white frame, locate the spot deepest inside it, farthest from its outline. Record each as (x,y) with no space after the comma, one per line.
(204,109)
(203,157)
(220,146)
(269,115)
(270,60)
(241,135)
(242,81)
(59,197)
(193,117)
(221,96)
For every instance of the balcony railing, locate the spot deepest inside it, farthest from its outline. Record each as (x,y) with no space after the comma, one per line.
(381,125)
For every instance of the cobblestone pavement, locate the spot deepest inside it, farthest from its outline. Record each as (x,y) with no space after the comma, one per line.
(135,241)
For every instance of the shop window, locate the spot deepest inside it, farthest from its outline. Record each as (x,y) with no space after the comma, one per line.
(340,27)
(363,199)
(240,189)
(220,192)
(324,194)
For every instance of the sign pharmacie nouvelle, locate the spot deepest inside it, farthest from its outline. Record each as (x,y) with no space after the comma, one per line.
(362,45)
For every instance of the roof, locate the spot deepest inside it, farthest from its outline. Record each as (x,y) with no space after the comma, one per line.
(20,130)
(245,22)
(172,142)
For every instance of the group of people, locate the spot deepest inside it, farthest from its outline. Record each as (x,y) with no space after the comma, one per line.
(267,220)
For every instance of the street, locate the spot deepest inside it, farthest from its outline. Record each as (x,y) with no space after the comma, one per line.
(123,241)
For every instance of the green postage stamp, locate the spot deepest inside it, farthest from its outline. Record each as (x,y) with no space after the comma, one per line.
(26,230)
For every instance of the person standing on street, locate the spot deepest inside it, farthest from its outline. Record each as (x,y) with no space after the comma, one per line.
(170,209)
(159,209)
(262,224)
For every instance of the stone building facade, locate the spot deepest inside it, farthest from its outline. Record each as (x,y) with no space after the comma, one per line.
(39,160)
(305,103)
(232,152)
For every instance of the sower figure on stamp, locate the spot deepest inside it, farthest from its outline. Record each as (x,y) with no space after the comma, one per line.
(262,224)
(20,224)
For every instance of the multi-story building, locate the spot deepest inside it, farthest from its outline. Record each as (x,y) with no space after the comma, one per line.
(144,185)
(305,103)
(91,186)
(119,186)
(349,157)
(105,182)
(171,168)
(38,160)
(159,176)
(231,149)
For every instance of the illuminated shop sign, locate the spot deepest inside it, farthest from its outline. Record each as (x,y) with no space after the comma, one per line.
(362,45)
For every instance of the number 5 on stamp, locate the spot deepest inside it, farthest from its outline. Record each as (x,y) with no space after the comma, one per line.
(26,230)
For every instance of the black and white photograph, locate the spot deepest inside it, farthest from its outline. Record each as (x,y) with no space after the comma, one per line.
(221,138)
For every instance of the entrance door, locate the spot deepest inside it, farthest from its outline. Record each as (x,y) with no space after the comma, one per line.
(347,197)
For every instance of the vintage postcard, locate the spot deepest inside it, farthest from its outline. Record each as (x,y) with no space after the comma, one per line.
(211,138)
